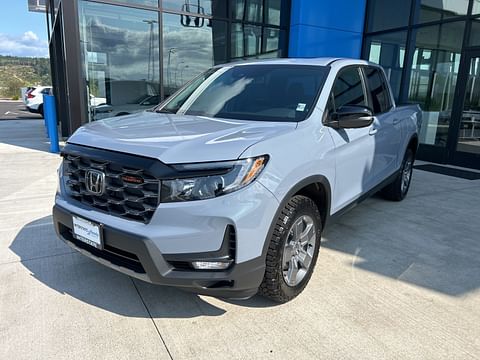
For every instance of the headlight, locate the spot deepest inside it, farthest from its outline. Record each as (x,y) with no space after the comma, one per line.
(222,178)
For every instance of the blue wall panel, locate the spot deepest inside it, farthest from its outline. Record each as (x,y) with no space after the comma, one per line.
(326,28)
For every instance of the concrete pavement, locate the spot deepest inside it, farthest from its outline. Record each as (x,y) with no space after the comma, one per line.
(393,281)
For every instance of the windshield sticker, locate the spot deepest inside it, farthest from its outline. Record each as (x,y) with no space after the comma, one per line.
(301,107)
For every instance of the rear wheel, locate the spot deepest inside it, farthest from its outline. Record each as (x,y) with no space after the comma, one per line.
(397,190)
(293,250)
(40,110)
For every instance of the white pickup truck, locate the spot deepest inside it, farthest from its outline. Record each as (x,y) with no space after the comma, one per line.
(224,189)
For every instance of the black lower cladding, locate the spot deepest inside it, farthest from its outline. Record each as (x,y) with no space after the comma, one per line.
(144,260)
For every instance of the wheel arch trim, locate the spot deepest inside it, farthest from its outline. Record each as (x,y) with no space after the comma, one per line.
(311,180)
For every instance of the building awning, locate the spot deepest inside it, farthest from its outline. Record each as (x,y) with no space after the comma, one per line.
(37,5)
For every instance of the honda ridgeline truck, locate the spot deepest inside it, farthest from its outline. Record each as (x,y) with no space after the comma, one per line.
(224,189)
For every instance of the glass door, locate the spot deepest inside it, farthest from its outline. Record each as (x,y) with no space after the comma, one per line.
(466,144)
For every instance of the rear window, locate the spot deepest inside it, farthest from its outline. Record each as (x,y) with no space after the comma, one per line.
(253,92)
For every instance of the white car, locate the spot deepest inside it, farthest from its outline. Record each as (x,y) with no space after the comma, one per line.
(34,98)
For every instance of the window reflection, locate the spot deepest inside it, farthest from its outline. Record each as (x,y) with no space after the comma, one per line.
(216,8)
(120,55)
(120,46)
(434,10)
(153,3)
(388,50)
(476,7)
(387,14)
(475,33)
(188,51)
(251,41)
(469,132)
(272,9)
(247,10)
(433,78)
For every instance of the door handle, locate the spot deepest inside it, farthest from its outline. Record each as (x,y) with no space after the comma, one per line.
(373,131)
(396,121)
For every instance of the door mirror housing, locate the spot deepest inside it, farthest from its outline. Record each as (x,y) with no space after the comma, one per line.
(351,117)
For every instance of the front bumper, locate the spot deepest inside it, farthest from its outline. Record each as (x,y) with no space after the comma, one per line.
(151,252)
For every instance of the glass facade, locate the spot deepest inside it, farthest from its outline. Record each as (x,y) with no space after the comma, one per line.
(388,50)
(120,52)
(134,53)
(433,77)
(423,46)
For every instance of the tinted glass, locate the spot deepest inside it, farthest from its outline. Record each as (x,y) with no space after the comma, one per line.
(387,14)
(217,8)
(249,41)
(247,10)
(141,2)
(469,132)
(476,7)
(436,61)
(256,92)
(348,88)
(272,9)
(388,50)
(120,56)
(378,92)
(475,33)
(190,50)
(434,10)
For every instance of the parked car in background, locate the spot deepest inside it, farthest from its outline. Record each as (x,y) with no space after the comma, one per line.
(24,91)
(104,110)
(34,98)
(225,188)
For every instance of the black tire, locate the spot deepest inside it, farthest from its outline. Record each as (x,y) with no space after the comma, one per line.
(40,111)
(274,285)
(398,190)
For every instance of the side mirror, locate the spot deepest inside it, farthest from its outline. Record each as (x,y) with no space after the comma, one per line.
(351,117)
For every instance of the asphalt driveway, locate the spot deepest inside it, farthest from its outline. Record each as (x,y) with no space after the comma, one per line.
(11,110)
(393,281)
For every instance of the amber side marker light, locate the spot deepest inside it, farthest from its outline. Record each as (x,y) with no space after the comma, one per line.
(255,169)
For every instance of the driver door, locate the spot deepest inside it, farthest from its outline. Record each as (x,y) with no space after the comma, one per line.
(354,148)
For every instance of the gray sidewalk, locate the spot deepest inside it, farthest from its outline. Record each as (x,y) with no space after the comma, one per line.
(393,281)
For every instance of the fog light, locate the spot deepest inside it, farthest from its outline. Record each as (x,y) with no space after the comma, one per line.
(211,265)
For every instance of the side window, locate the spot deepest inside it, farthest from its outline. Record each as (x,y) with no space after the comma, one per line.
(348,88)
(378,92)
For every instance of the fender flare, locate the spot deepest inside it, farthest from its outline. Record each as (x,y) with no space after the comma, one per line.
(314,179)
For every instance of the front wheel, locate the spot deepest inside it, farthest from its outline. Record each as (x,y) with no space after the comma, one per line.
(398,189)
(293,250)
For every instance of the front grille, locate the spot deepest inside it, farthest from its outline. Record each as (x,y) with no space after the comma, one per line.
(130,192)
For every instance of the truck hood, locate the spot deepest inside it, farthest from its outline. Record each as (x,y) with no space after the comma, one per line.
(178,138)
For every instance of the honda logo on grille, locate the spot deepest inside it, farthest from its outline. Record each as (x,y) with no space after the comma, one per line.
(95,182)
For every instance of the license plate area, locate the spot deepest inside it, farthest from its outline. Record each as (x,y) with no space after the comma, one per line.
(87,232)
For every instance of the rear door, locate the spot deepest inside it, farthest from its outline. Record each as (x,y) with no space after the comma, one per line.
(386,129)
(354,148)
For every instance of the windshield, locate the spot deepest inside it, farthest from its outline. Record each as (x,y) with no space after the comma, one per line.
(251,92)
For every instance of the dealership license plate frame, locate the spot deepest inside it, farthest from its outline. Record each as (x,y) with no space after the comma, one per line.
(86,236)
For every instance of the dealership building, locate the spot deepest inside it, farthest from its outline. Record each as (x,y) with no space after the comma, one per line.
(113,57)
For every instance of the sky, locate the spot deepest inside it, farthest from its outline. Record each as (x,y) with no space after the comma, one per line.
(22,33)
